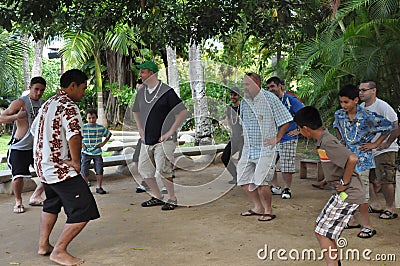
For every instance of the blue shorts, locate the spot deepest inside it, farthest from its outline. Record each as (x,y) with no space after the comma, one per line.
(85,162)
(74,195)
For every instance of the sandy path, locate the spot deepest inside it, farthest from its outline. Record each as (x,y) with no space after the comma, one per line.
(209,234)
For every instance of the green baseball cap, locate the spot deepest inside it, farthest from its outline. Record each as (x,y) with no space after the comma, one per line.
(150,65)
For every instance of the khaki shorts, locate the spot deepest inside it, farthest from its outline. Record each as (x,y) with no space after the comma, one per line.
(258,172)
(364,177)
(386,167)
(156,161)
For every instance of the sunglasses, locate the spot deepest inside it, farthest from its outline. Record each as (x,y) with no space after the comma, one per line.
(364,90)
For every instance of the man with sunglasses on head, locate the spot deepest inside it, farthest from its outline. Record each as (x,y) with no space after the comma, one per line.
(385,155)
(22,112)
(236,143)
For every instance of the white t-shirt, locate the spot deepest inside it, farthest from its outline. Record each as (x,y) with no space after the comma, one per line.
(58,120)
(384,109)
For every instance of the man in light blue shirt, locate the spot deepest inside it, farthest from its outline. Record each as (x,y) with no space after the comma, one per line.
(265,120)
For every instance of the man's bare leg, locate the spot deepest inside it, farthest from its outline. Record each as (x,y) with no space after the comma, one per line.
(18,184)
(99,180)
(265,195)
(169,185)
(287,178)
(373,198)
(60,254)
(365,218)
(274,181)
(47,222)
(36,196)
(327,244)
(155,190)
(389,194)
(255,199)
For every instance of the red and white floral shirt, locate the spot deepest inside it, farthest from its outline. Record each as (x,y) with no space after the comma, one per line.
(58,120)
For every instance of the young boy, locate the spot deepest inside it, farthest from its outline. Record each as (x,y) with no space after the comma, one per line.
(92,142)
(356,128)
(338,164)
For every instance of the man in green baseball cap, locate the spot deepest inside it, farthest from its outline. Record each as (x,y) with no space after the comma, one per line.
(150,65)
(158,112)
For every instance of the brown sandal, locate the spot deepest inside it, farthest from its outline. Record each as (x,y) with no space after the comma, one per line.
(264,217)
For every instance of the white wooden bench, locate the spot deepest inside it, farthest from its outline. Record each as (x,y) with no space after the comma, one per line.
(121,159)
(199,150)
(306,163)
(118,146)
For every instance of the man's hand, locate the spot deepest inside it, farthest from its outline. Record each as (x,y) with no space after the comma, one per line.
(165,136)
(21,114)
(340,188)
(367,146)
(293,133)
(75,165)
(141,133)
(270,142)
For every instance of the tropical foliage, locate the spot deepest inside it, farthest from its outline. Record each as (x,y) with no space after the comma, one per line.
(317,46)
(361,42)
(10,71)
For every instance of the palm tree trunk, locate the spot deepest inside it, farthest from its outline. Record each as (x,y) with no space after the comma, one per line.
(203,125)
(99,86)
(173,75)
(37,59)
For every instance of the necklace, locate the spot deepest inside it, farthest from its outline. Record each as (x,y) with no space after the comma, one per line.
(34,114)
(236,116)
(155,95)
(355,134)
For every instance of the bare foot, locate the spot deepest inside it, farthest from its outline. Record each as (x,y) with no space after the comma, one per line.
(36,201)
(45,251)
(64,258)
(318,185)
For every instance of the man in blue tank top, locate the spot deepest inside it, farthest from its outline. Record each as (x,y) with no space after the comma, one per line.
(22,112)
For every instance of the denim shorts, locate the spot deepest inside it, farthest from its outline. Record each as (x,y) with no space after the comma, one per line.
(85,162)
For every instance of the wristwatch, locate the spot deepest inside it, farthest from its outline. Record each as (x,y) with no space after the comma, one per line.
(343,184)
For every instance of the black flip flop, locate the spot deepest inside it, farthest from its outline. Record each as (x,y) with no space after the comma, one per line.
(347,226)
(372,210)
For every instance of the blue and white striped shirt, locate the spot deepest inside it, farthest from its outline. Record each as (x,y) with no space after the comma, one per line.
(93,136)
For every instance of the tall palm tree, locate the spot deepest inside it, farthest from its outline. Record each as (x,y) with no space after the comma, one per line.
(81,47)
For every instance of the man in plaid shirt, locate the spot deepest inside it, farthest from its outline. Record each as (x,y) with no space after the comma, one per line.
(261,115)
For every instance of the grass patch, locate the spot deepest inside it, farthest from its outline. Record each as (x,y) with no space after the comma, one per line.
(106,153)
(4,139)
(307,149)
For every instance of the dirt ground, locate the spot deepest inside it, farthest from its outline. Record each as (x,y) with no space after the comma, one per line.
(207,234)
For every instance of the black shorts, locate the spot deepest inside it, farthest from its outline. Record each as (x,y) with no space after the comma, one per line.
(19,161)
(74,195)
